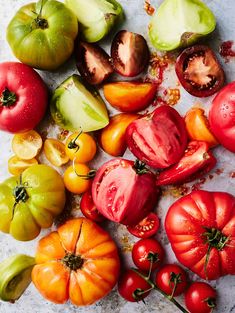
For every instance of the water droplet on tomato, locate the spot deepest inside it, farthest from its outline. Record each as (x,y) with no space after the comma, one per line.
(225,115)
(232,114)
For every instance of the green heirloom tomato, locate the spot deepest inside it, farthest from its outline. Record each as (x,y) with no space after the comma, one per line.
(96,17)
(179,23)
(75,105)
(42,34)
(31,201)
(15,276)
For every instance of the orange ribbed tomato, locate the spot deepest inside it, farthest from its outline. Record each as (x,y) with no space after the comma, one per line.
(79,262)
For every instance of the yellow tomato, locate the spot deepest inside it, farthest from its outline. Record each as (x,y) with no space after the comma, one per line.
(27,145)
(16,166)
(76,178)
(55,152)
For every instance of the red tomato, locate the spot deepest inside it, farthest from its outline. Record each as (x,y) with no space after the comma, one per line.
(158,139)
(23,97)
(222,117)
(146,251)
(196,162)
(129,282)
(200,298)
(124,191)
(145,228)
(171,279)
(89,209)
(201,230)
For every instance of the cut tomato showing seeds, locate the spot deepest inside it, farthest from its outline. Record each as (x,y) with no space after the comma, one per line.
(27,145)
(55,152)
(145,228)
(16,166)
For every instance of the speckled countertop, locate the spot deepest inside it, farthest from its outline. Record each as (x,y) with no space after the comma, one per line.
(136,20)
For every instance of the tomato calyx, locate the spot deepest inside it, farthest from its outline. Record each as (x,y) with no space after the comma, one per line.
(175,279)
(153,257)
(39,20)
(90,175)
(8,98)
(72,144)
(20,193)
(211,302)
(140,167)
(72,261)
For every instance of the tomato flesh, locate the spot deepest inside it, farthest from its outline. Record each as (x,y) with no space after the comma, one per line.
(145,228)
(89,209)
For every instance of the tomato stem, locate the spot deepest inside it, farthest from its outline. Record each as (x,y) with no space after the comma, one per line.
(140,167)
(7,98)
(72,144)
(72,261)
(175,279)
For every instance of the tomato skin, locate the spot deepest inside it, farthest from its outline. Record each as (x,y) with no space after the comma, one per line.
(141,251)
(89,209)
(190,241)
(129,282)
(146,228)
(75,183)
(112,138)
(163,279)
(158,139)
(118,191)
(130,96)
(31,97)
(197,295)
(196,162)
(222,117)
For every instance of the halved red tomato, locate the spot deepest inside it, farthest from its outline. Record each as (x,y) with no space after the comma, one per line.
(145,228)
(89,209)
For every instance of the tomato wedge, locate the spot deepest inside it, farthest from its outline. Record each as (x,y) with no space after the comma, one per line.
(55,152)
(89,209)
(145,228)
(27,145)
(196,162)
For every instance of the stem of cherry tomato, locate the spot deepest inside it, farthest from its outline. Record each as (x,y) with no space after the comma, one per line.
(175,279)
(90,175)
(72,144)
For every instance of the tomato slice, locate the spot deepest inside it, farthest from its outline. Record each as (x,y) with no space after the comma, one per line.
(199,71)
(16,166)
(196,162)
(145,228)
(89,209)
(27,145)
(55,152)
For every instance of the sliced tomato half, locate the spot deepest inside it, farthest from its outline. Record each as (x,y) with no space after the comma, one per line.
(145,228)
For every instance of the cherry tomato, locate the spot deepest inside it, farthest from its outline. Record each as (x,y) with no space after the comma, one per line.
(199,71)
(75,183)
(146,250)
(89,209)
(80,147)
(129,285)
(112,138)
(55,152)
(145,228)
(197,126)
(26,145)
(171,279)
(16,166)
(200,298)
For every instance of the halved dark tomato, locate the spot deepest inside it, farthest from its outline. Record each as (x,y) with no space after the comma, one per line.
(93,63)
(196,162)
(130,53)
(199,71)
(145,228)
(89,209)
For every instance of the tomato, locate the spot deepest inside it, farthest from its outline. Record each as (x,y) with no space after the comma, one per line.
(199,71)
(55,152)
(171,279)
(131,284)
(130,96)
(159,138)
(76,178)
(146,250)
(222,117)
(89,209)
(38,25)
(122,187)
(23,97)
(27,145)
(31,201)
(112,138)
(196,162)
(145,228)
(16,166)
(80,147)
(78,262)
(198,126)
(205,240)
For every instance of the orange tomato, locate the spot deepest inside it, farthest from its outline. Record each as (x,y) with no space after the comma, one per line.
(55,152)
(198,127)
(79,262)
(130,96)
(76,178)
(112,137)
(16,166)
(27,145)
(80,147)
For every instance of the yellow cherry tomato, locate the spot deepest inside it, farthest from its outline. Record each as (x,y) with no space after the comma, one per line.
(76,178)
(55,152)
(27,145)
(16,166)
(80,147)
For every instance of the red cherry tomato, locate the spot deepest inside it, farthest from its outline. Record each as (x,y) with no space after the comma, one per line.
(199,71)
(171,279)
(89,209)
(146,250)
(128,285)
(200,298)
(145,228)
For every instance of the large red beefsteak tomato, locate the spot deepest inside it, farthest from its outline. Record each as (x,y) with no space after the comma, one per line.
(201,230)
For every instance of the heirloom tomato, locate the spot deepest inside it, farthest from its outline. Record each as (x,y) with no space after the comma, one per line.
(201,230)
(78,262)
(31,201)
(124,191)
(159,138)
